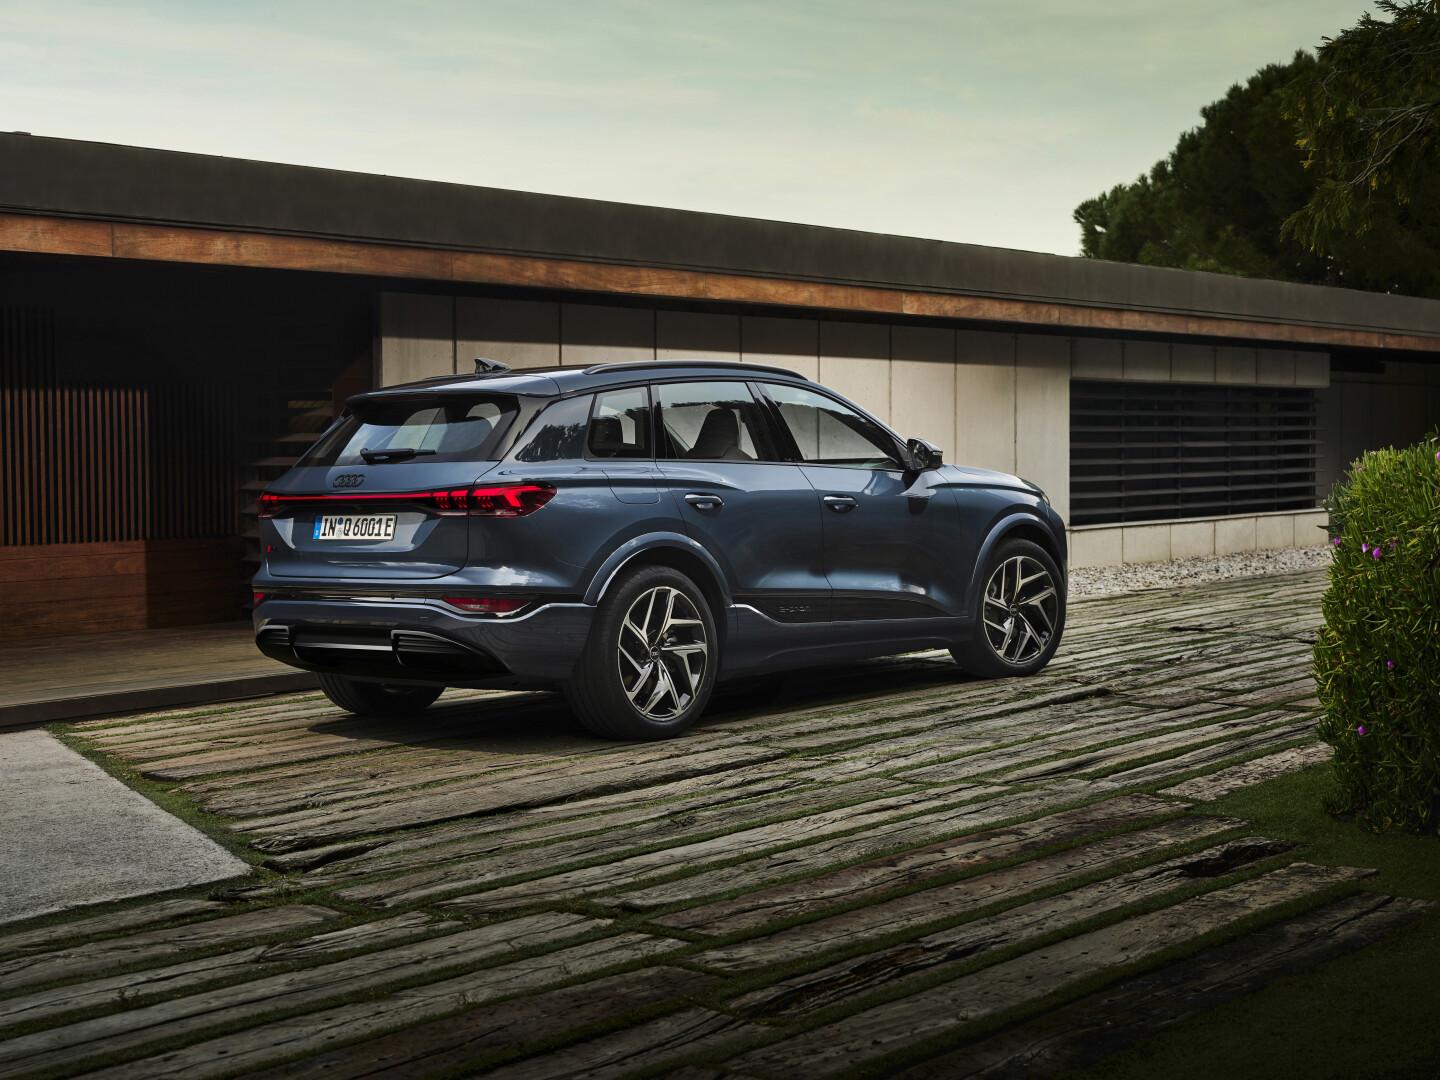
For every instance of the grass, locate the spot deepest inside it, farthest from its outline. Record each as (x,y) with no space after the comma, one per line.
(1369,1014)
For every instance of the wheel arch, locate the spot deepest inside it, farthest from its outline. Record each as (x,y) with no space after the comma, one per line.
(1013,527)
(677,552)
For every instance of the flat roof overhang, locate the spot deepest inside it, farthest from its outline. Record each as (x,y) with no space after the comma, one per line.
(95,200)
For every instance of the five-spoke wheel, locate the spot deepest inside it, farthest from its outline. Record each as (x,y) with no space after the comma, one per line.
(662,653)
(648,668)
(1020,613)
(1021,609)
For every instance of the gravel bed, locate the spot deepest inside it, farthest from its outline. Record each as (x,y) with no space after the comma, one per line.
(1108,580)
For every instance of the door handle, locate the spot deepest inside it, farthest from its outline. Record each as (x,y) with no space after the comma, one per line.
(841,504)
(704,502)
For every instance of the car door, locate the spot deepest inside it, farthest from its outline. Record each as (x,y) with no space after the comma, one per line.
(756,514)
(890,534)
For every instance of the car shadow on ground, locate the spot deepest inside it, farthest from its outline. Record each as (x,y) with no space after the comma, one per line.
(536,722)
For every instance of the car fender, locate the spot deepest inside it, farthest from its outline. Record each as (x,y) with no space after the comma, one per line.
(998,531)
(627,551)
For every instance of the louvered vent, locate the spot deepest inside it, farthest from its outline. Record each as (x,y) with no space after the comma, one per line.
(1158,451)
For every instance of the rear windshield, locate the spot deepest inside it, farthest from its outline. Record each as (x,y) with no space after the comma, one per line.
(454,427)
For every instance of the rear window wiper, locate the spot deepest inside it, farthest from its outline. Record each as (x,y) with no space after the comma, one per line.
(394,454)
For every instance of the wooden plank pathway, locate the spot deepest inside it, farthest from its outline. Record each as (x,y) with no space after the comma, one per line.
(865,873)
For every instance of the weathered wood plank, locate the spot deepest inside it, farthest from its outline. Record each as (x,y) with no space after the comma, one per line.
(114,923)
(956,899)
(474,1036)
(454,801)
(888,722)
(152,945)
(365,857)
(1255,771)
(908,867)
(868,1035)
(880,824)
(1096,760)
(472,863)
(257,960)
(1209,755)
(693,1031)
(809,828)
(1077,1035)
(853,978)
(307,987)
(320,1030)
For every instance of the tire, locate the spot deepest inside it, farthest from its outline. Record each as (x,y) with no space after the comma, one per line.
(1023,593)
(378,699)
(648,669)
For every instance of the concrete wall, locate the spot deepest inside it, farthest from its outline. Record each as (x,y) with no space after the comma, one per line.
(992,400)
(1112,545)
(1162,361)
(995,401)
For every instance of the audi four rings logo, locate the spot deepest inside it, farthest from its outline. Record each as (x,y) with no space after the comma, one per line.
(353,479)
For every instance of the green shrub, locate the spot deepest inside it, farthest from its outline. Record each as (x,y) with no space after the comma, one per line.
(1377,658)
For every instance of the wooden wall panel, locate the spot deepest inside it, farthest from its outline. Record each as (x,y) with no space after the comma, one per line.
(58,589)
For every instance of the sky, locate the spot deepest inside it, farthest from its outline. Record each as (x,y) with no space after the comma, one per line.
(984,123)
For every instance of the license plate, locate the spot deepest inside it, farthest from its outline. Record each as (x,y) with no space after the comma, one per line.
(355,527)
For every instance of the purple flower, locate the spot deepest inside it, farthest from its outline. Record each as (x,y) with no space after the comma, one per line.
(1389,665)
(1365,548)
(1375,552)
(1336,541)
(1360,730)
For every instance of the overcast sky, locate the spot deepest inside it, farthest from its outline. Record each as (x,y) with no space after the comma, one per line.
(984,122)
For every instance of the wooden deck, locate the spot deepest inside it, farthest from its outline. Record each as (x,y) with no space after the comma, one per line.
(887,868)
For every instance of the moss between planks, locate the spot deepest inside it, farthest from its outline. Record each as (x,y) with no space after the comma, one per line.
(1370,1014)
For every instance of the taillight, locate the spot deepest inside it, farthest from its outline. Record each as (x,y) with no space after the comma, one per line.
(259,597)
(509,500)
(501,500)
(485,605)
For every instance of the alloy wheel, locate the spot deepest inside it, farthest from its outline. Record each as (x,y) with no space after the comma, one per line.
(1021,610)
(662,653)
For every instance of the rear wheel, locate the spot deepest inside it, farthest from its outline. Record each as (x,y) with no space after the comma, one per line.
(1020,613)
(378,699)
(648,670)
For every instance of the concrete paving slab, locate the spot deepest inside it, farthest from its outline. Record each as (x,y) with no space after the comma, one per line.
(67,678)
(74,835)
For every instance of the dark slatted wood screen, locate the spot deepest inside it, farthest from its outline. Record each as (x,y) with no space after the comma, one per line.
(88,462)
(1158,451)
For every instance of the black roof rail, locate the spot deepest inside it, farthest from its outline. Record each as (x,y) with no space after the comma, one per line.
(737,365)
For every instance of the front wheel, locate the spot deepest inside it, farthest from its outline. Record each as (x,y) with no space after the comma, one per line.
(1020,613)
(378,699)
(648,669)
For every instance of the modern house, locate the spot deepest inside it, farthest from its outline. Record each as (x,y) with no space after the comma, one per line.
(175,329)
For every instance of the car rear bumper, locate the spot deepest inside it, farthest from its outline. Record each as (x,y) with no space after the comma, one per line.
(419,641)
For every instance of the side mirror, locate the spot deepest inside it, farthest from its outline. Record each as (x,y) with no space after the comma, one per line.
(924,455)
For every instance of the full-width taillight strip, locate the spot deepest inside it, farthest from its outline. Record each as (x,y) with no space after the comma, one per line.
(502,500)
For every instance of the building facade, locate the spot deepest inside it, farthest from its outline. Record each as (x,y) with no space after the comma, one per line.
(174,329)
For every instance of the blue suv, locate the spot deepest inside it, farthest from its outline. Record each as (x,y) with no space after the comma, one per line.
(633,534)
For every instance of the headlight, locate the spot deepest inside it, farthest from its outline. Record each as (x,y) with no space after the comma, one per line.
(1039,491)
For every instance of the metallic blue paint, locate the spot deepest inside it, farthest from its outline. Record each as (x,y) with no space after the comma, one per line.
(795,582)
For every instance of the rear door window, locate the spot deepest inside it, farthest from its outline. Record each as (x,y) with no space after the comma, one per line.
(712,421)
(456,427)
